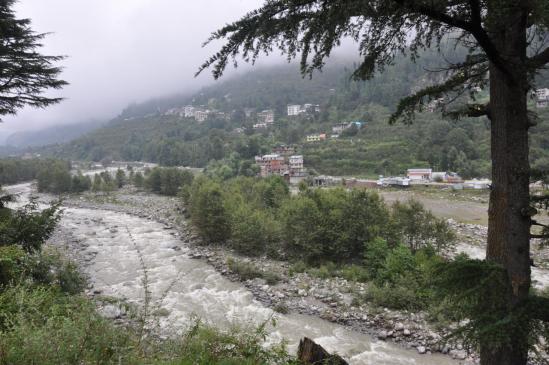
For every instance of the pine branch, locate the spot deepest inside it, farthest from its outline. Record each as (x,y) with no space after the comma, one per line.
(539,60)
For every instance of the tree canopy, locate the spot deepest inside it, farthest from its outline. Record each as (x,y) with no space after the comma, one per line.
(25,74)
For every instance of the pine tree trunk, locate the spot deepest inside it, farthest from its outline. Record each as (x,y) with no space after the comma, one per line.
(508,228)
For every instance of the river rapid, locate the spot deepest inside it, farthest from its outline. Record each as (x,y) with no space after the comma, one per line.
(121,250)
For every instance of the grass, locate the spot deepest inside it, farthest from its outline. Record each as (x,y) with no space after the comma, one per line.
(249,271)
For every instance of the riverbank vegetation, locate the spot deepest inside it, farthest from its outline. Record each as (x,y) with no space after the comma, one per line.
(352,234)
(45,317)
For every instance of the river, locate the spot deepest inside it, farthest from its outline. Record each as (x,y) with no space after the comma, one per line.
(118,245)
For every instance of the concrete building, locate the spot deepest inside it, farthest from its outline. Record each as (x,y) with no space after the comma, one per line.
(419,174)
(188,111)
(260,126)
(266,116)
(296,164)
(542,98)
(316,137)
(294,110)
(340,127)
(272,164)
(201,115)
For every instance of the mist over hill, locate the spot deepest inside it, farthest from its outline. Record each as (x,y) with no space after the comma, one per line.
(51,135)
(151,131)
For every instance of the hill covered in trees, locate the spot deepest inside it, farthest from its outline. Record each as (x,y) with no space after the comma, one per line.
(147,132)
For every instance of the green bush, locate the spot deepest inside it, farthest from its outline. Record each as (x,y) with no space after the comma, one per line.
(249,271)
(41,326)
(418,228)
(208,212)
(11,260)
(401,296)
(244,270)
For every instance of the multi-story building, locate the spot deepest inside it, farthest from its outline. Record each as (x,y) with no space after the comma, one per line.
(272,164)
(296,164)
(316,137)
(266,116)
(340,127)
(201,115)
(188,111)
(542,98)
(260,126)
(284,150)
(294,110)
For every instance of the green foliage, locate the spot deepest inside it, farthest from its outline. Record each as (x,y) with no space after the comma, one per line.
(375,255)
(11,260)
(28,227)
(249,271)
(80,183)
(138,180)
(55,178)
(470,288)
(208,212)
(49,268)
(253,231)
(28,74)
(120,178)
(165,181)
(332,223)
(419,228)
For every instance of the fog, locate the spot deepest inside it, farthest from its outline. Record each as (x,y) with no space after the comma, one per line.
(121,51)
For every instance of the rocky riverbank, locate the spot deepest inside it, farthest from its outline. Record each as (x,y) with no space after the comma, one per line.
(333,299)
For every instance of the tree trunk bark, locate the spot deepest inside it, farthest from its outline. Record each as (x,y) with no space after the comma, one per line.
(508,228)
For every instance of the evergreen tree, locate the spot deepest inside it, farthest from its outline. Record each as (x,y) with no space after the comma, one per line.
(25,73)
(138,180)
(506,43)
(120,178)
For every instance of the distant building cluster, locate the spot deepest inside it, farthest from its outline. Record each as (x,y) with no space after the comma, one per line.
(298,109)
(200,114)
(542,98)
(284,163)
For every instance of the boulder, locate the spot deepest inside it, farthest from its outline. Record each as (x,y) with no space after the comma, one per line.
(311,353)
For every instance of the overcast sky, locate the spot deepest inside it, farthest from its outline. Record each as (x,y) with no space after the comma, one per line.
(120,51)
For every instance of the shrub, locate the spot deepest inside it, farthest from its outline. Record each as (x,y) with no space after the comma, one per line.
(253,232)
(417,227)
(208,212)
(354,273)
(244,270)
(375,255)
(400,296)
(11,259)
(40,326)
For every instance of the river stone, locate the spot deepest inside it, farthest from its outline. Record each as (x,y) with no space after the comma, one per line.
(421,349)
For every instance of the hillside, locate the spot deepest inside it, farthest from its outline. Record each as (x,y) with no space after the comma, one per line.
(51,135)
(146,132)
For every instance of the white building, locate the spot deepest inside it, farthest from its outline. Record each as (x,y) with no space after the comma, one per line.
(316,137)
(266,116)
(419,174)
(260,126)
(542,98)
(188,111)
(294,110)
(296,163)
(340,127)
(201,115)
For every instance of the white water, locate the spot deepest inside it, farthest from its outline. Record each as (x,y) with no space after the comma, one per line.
(188,287)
